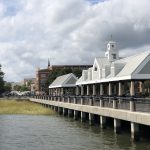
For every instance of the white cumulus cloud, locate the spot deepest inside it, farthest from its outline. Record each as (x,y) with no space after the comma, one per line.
(68,32)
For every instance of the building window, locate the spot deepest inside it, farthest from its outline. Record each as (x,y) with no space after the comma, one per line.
(112,46)
(95,69)
(43,75)
(114,56)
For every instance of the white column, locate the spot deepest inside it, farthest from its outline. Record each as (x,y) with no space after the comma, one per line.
(94,89)
(135,131)
(83,116)
(132,88)
(65,111)
(76,115)
(62,91)
(77,90)
(82,90)
(60,110)
(75,100)
(88,90)
(110,89)
(117,125)
(103,122)
(120,89)
(132,93)
(70,113)
(101,89)
(141,87)
(91,119)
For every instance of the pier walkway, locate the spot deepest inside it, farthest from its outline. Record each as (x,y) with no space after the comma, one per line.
(134,110)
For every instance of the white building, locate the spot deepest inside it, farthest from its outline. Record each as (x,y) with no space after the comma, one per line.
(63,85)
(110,73)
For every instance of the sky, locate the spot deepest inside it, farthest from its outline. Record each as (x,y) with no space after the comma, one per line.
(68,32)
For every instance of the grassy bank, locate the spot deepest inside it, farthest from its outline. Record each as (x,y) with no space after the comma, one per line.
(23,107)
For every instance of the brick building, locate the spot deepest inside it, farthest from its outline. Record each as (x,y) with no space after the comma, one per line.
(42,74)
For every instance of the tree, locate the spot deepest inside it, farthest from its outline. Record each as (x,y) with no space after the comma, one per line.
(77,72)
(1,81)
(24,88)
(7,86)
(17,87)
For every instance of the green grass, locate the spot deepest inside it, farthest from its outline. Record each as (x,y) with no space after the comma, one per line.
(23,107)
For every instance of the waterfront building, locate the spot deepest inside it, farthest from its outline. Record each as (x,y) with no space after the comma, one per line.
(63,85)
(111,75)
(106,91)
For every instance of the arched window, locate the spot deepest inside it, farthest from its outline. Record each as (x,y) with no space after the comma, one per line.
(95,68)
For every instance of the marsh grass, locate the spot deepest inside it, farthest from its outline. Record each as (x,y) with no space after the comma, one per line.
(9,106)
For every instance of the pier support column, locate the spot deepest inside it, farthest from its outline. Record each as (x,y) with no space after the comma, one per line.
(52,107)
(135,131)
(55,108)
(70,113)
(103,122)
(60,110)
(76,115)
(65,111)
(49,106)
(117,125)
(83,116)
(91,119)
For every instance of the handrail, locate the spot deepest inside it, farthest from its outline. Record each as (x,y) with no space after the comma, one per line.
(117,102)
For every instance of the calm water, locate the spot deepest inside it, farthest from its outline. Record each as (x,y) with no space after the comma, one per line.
(22,132)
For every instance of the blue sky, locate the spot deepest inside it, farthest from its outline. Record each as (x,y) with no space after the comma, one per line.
(11,7)
(95,1)
(68,32)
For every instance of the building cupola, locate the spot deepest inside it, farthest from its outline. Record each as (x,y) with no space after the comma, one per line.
(112,53)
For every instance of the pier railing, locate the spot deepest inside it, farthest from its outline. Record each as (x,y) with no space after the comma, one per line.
(124,103)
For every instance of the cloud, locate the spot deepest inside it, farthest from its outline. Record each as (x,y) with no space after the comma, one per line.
(68,32)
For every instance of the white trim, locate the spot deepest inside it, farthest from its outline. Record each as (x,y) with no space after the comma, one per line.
(58,86)
(106,80)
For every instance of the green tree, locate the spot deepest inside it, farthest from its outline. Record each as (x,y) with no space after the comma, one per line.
(1,81)
(17,87)
(7,86)
(24,88)
(77,72)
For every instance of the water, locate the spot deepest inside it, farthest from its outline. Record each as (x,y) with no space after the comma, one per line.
(25,132)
